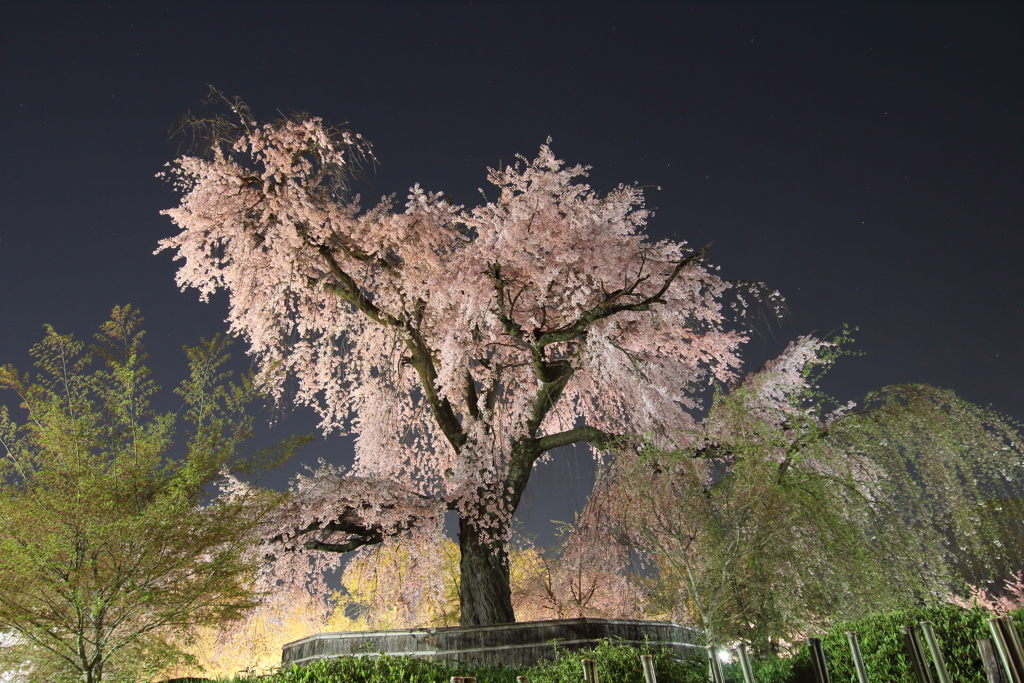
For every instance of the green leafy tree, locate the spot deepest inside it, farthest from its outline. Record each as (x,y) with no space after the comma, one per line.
(109,547)
(789,511)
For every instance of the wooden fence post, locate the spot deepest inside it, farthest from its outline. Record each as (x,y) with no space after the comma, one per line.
(589,671)
(990,660)
(858,659)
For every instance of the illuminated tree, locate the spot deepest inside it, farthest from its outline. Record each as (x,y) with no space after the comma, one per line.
(461,346)
(586,575)
(109,546)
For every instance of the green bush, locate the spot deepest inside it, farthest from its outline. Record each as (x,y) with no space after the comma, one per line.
(616,663)
(881,644)
(385,670)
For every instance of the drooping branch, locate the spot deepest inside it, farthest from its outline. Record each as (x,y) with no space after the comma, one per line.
(346,547)
(348,523)
(421,357)
(471,397)
(505,317)
(357,254)
(351,523)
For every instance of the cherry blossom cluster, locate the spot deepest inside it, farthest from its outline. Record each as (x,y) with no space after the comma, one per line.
(459,345)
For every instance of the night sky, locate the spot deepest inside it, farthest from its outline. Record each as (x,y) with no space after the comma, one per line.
(867,160)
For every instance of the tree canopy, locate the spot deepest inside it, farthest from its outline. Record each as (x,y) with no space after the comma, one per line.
(464,345)
(788,509)
(109,542)
(460,345)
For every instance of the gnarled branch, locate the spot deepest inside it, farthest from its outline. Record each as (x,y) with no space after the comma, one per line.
(610,307)
(349,291)
(592,435)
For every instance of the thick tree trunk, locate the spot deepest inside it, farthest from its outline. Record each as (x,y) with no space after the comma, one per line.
(484,580)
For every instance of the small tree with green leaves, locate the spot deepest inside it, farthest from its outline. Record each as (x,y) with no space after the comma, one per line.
(109,546)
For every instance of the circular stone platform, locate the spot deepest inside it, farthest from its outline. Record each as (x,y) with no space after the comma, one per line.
(517,645)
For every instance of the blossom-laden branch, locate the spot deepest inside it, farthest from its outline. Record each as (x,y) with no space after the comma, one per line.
(328,511)
(617,302)
(357,534)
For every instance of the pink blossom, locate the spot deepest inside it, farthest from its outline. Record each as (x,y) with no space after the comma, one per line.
(459,345)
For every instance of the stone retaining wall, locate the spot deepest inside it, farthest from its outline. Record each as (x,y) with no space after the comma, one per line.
(516,645)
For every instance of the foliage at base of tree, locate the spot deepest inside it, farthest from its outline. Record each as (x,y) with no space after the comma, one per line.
(387,670)
(880,637)
(616,663)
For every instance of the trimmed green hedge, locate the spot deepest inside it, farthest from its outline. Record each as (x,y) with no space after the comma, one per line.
(616,663)
(384,670)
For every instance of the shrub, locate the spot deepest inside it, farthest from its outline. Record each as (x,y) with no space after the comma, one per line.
(880,636)
(618,663)
(386,669)
(881,644)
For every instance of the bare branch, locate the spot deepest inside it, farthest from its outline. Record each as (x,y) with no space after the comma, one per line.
(592,435)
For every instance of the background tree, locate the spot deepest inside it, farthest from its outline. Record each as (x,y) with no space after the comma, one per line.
(584,576)
(460,345)
(567,581)
(376,586)
(252,643)
(376,595)
(788,510)
(108,546)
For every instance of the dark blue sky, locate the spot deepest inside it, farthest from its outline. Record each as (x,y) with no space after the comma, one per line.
(866,159)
